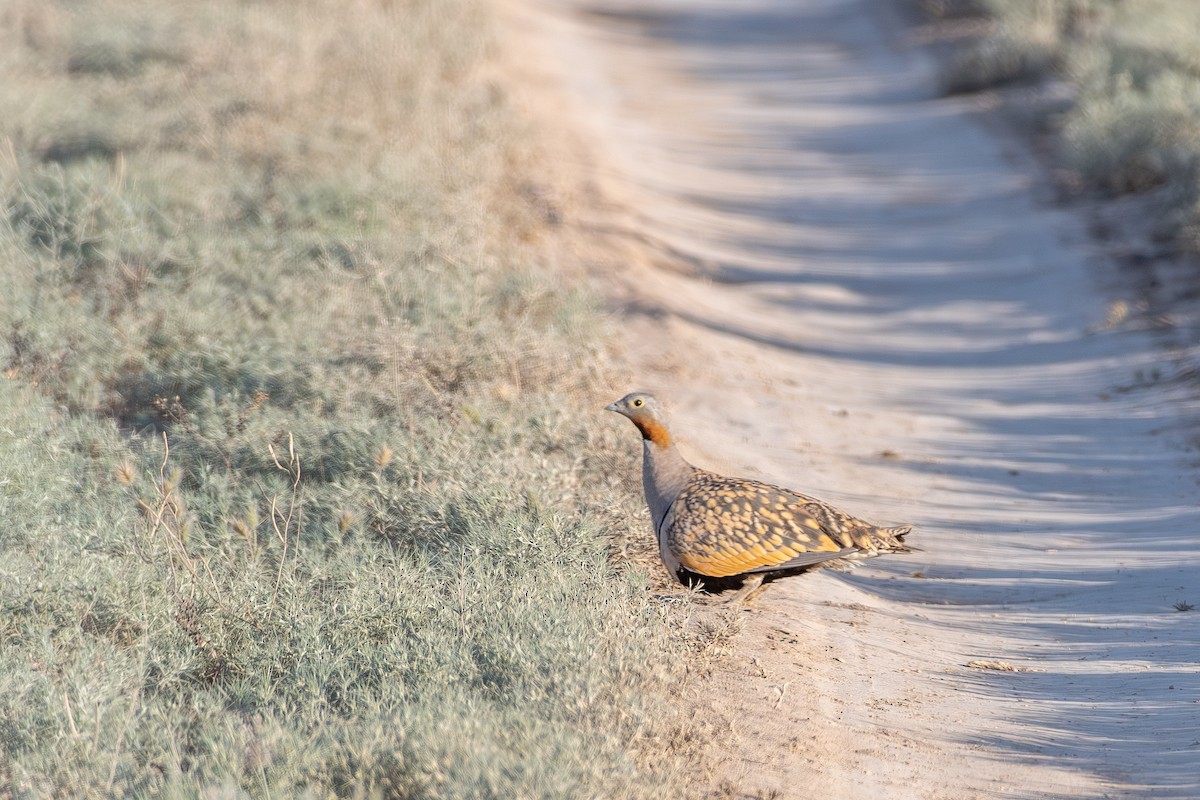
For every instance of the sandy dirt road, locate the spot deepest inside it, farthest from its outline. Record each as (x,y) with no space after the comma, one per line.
(861,290)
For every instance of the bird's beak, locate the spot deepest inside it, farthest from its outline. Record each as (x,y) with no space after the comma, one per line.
(612,407)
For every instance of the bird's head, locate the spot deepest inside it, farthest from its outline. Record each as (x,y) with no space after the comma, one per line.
(644,411)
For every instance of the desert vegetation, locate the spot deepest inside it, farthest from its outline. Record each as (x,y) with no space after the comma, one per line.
(1131,73)
(300,488)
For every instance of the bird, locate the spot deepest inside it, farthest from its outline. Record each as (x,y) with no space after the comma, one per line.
(713,529)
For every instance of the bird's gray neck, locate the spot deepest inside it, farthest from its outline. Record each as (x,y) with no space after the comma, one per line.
(664,476)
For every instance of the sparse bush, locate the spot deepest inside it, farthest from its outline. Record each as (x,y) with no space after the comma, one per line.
(1130,139)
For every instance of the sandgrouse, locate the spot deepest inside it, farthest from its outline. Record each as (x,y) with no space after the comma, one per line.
(714,527)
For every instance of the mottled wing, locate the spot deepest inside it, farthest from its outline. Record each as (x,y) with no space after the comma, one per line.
(723,526)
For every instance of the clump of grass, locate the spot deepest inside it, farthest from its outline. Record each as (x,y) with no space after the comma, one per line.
(1134,141)
(297,495)
(1134,127)
(1131,126)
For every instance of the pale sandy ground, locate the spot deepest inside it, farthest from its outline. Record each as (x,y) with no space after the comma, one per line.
(865,293)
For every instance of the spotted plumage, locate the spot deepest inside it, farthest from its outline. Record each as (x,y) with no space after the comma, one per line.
(717,527)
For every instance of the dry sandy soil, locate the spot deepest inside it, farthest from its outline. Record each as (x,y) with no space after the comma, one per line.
(864,291)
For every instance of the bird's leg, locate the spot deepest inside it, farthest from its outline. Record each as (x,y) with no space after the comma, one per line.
(751,588)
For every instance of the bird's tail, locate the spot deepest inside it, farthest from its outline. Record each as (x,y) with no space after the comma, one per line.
(891,540)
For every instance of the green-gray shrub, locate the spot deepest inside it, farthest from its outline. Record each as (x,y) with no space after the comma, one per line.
(1133,125)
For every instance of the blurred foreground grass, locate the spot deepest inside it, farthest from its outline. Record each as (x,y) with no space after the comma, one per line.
(296,495)
(1132,124)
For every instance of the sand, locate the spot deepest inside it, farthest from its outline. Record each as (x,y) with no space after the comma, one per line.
(864,291)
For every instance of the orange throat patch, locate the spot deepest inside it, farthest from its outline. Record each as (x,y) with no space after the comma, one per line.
(654,431)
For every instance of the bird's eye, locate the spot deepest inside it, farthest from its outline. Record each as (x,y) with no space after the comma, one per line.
(638,402)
